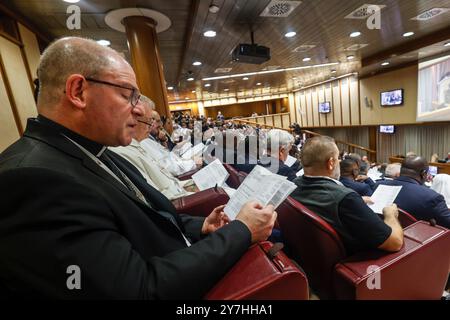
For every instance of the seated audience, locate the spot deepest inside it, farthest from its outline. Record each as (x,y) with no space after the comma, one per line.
(168,160)
(158,177)
(441,184)
(79,221)
(319,189)
(417,199)
(349,173)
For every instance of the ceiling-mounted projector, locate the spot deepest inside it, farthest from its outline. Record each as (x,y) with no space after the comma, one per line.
(250,53)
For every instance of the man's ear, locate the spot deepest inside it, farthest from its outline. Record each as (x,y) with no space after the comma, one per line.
(75,90)
(330,164)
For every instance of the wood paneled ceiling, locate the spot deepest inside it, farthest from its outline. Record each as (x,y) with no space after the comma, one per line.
(323,35)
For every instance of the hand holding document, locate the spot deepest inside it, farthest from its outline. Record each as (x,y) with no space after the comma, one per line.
(384,196)
(262,186)
(211,175)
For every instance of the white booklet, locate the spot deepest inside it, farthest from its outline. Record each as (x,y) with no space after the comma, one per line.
(290,161)
(260,185)
(211,175)
(384,196)
(195,151)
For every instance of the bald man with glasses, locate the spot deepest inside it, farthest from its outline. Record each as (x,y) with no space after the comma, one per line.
(79,221)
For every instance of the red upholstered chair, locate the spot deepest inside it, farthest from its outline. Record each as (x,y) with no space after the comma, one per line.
(418,271)
(234,180)
(261,275)
(187,175)
(201,203)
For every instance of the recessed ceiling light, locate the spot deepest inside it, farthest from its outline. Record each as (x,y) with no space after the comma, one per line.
(244,78)
(213,8)
(350,57)
(71,1)
(290,34)
(259,83)
(169,88)
(187,98)
(306,59)
(447,44)
(209,34)
(226,89)
(197,63)
(193,91)
(333,71)
(190,79)
(385,63)
(208,85)
(332,77)
(104,42)
(408,34)
(355,34)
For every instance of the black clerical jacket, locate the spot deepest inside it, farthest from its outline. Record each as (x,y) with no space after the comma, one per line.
(61,211)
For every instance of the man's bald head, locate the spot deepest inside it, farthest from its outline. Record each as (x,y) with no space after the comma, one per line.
(72,55)
(415,167)
(320,157)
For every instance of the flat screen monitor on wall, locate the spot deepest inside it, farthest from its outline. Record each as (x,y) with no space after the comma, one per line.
(392,98)
(433,101)
(324,107)
(387,129)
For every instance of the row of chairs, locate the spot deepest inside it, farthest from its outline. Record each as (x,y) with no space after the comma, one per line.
(418,271)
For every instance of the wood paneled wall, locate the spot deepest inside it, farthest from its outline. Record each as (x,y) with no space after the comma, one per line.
(343,95)
(18,63)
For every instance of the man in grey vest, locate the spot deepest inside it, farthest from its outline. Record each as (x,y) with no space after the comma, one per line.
(344,209)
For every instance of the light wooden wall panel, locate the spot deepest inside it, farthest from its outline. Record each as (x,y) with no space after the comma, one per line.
(337,108)
(315,107)
(321,95)
(31,48)
(8,129)
(328,97)
(354,101)
(309,111)
(345,102)
(286,121)
(303,109)
(16,73)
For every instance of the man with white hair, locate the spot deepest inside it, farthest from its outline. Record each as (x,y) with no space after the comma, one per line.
(79,221)
(279,143)
(392,171)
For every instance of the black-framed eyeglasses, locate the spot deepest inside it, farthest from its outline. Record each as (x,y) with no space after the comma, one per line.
(144,120)
(135,95)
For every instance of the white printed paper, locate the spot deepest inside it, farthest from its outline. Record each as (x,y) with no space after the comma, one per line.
(210,176)
(384,196)
(195,151)
(300,173)
(260,185)
(290,161)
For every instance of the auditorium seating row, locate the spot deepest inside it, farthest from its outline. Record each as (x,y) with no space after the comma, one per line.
(418,271)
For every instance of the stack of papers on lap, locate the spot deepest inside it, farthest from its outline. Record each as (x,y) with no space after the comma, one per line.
(262,186)
(384,196)
(211,175)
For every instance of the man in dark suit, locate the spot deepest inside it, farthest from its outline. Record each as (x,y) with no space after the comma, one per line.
(417,199)
(79,221)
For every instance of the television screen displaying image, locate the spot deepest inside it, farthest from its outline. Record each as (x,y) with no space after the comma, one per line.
(387,129)
(392,98)
(324,107)
(433,101)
